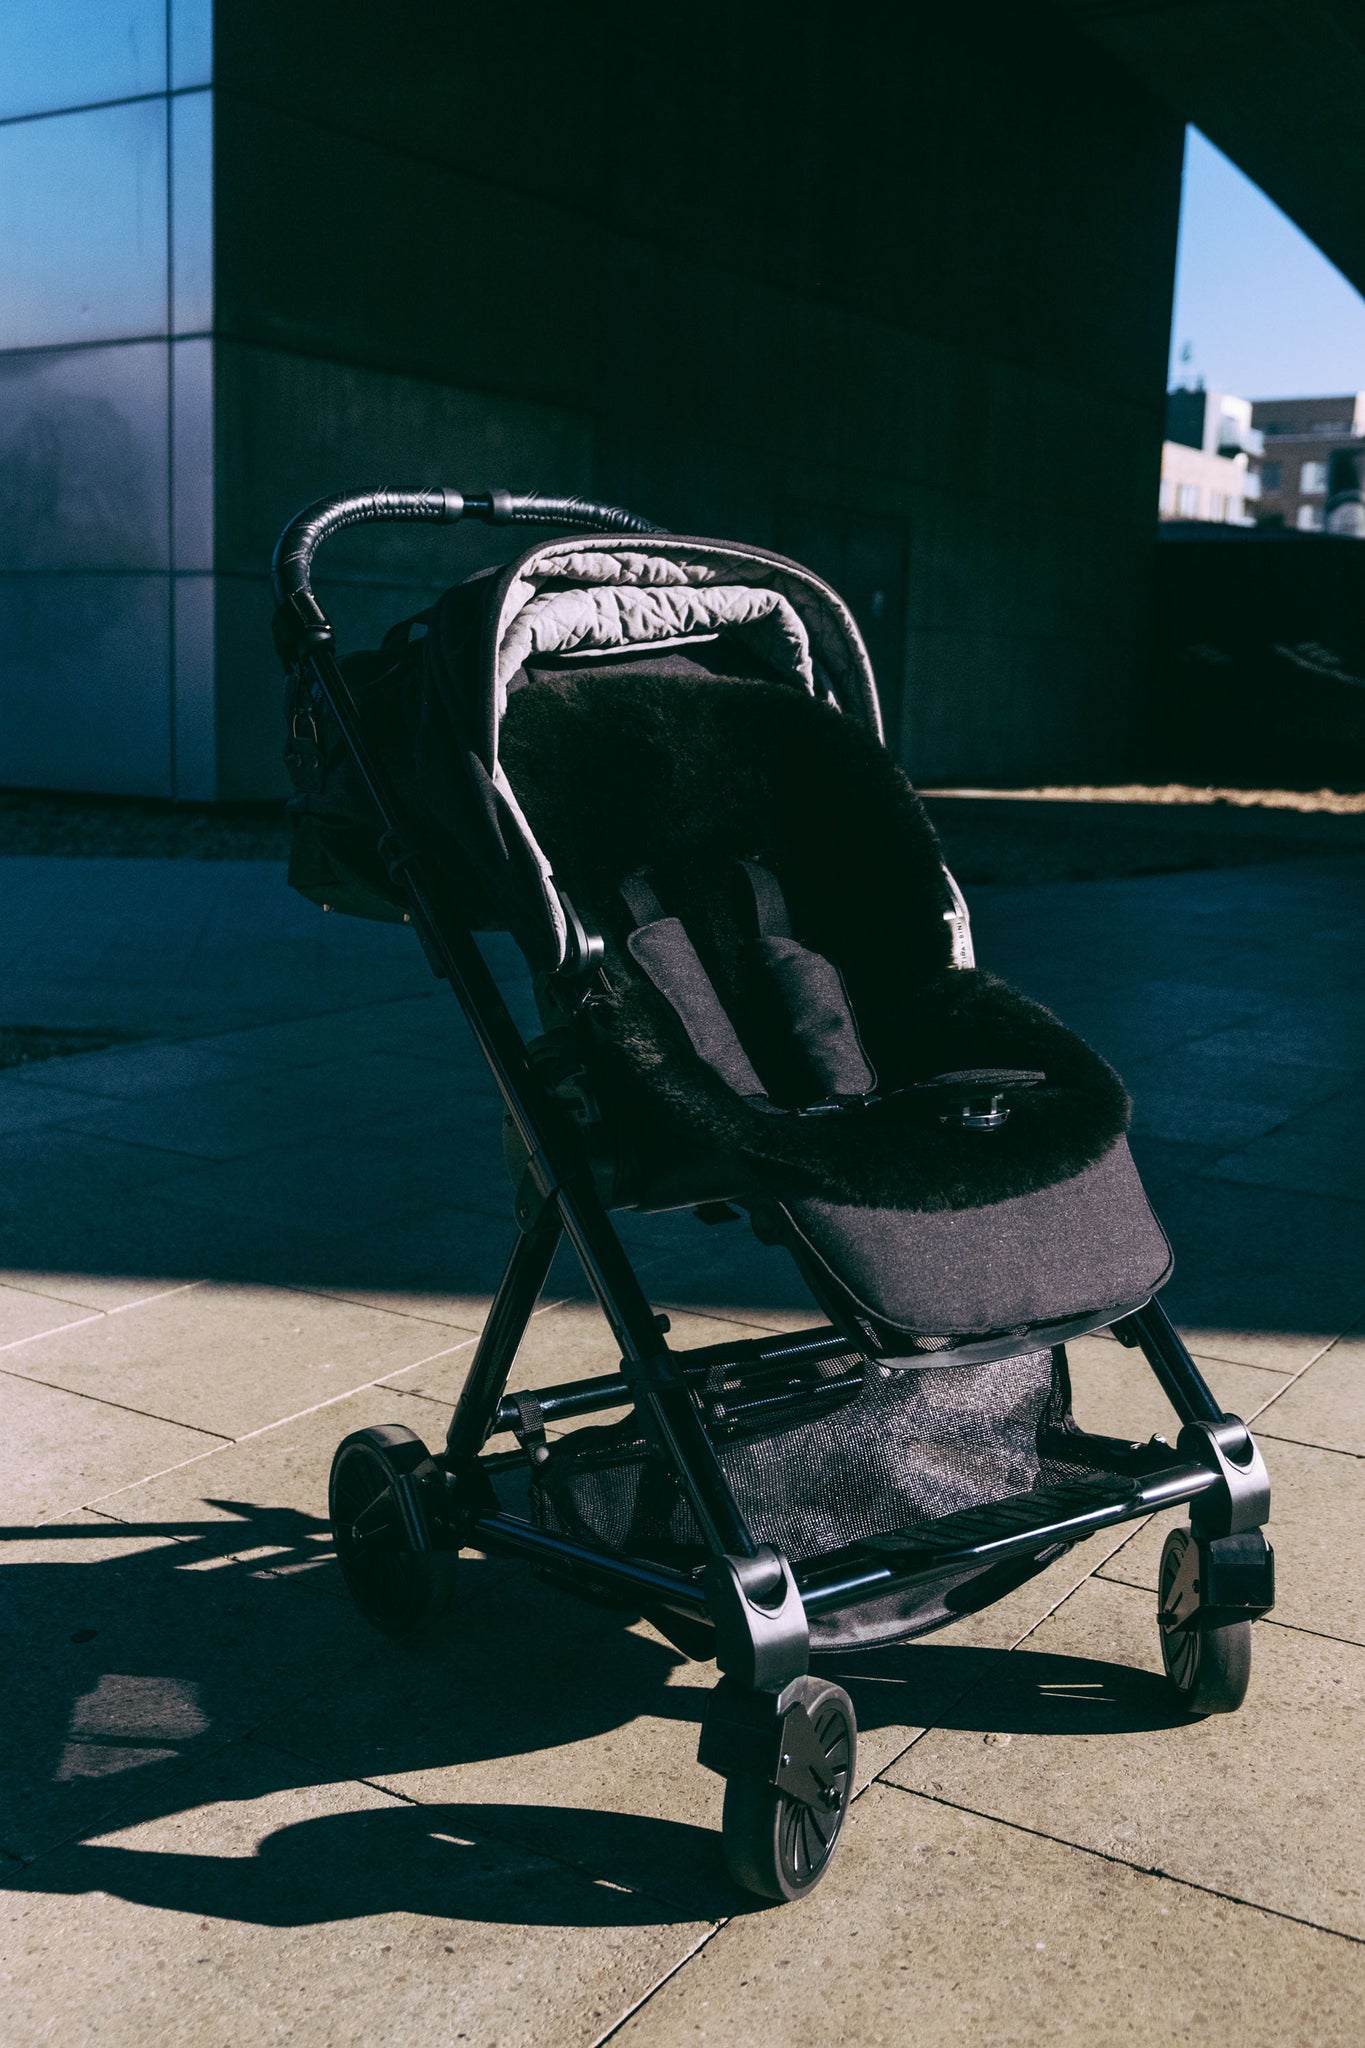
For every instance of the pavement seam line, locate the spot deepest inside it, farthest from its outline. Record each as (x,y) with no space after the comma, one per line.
(1121,1862)
(227,1442)
(615,2028)
(28,1379)
(1060,1602)
(97,1315)
(494,1835)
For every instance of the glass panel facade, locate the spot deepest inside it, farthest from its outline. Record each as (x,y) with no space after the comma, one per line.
(83,458)
(77,53)
(85,698)
(192,213)
(106,425)
(83,226)
(191,57)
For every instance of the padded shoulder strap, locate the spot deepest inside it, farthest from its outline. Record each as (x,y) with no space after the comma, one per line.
(770,905)
(661,948)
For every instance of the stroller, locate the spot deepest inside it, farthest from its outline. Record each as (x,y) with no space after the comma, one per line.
(656,760)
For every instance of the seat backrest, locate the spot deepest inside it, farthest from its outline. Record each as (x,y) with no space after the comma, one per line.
(716,790)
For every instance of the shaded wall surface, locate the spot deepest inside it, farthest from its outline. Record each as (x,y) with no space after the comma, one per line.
(1260,670)
(886,289)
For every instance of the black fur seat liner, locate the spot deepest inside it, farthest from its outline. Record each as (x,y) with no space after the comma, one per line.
(671,764)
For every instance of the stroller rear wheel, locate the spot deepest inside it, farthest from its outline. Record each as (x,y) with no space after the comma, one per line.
(1210,1668)
(397,1578)
(776,1845)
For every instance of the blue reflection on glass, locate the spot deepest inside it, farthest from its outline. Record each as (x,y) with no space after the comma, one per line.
(191,43)
(73,53)
(192,454)
(192,213)
(83,458)
(83,226)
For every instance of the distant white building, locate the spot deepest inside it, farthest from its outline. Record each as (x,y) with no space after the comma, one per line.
(1206,459)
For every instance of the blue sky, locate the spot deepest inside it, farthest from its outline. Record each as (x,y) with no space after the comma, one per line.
(1267,315)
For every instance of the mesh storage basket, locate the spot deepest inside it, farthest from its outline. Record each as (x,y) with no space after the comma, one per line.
(859,1449)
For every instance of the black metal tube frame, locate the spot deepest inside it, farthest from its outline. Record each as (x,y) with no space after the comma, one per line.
(652,1378)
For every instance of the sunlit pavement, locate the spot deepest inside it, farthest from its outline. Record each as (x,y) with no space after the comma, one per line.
(231,1813)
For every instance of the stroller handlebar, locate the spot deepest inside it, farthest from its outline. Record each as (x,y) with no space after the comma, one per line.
(293,561)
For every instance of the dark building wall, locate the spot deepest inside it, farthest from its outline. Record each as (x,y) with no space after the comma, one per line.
(891,285)
(885,286)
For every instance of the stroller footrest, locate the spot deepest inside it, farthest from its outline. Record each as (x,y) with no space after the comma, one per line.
(1080,1504)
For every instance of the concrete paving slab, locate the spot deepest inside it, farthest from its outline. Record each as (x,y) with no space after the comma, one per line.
(59,1450)
(1223,1068)
(1255,1314)
(443,1265)
(25,1109)
(142,1652)
(1226,1226)
(1115,1392)
(568,1341)
(1200,1119)
(50,1172)
(428,1026)
(322,1914)
(1266,1806)
(340,1184)
(24,1315)
(532,1702)
(1317,1511)
(1326,1404)
(257,1108)
(171,947)
(125,1072)
(720,1270)
(943,1929)
(265,1496)
(228,1359)
(1306,1154)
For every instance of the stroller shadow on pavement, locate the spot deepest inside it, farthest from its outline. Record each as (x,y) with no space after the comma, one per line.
(140,1699)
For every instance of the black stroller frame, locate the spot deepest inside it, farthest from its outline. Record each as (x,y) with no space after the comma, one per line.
(783,1741)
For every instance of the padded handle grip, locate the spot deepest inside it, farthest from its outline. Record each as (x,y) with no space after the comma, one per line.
(293,560)
(292,566)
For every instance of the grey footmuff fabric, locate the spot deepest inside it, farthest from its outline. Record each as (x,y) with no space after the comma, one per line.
(1086,1246)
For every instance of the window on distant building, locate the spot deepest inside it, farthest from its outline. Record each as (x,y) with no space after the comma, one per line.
(1331,427)
(1270,476)
(1187,501)
(1309,519)
(1275,427)
(1313,479)
(1218,505)
(1166,496)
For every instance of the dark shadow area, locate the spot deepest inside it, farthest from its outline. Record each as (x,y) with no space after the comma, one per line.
(206,1669)
(1087,838)
(449,1862)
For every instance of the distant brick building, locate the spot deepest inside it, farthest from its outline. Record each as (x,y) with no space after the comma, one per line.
(1300,437)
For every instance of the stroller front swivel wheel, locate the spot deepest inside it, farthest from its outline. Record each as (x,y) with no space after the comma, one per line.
(777,1845)
(393,1570)
(1209,1668)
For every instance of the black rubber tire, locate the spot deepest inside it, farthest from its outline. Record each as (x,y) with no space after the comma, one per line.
(399,1591)
(774,1846)
(1209,1668)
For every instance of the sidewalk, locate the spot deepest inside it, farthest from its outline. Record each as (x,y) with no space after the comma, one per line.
(231,1813)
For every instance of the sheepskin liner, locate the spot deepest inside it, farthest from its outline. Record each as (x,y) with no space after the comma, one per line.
(684,770)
